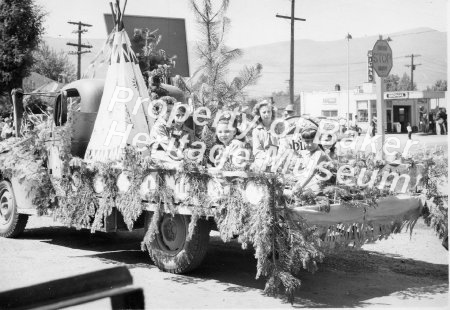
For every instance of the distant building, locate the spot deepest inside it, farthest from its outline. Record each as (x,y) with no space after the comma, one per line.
(401,106)
(282,101)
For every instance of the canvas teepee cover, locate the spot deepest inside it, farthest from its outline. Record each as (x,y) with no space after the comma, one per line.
(122,116)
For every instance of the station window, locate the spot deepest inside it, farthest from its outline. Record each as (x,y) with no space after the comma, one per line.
(362,112)
(363,115)
(329,113)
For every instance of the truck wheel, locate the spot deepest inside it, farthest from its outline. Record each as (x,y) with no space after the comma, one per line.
(12,223)
(171,252)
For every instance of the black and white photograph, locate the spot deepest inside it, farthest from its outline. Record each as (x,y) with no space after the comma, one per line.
(224,154)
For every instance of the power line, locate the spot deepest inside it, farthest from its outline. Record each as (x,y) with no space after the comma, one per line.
(444,63)
(412,33)
(413,67)
(79,45)
(304,72)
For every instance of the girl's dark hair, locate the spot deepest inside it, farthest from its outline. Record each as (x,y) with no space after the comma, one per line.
(157,108)
(225,119)
(308,133)
(182,109)
(261,104)
(168,100)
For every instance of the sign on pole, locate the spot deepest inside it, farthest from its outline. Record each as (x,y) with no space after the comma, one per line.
(382,64)
(382,58)
(370,77)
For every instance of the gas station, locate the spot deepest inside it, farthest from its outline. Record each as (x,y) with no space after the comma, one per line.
(415,107)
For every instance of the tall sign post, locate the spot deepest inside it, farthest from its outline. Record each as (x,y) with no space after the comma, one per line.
(382,64)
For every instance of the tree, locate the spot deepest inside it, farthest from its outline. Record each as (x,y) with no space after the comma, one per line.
(440,85)
(21,27)
(215,57)
(280,93)
(405,83)
(394,83)
(51,64)
(391,82)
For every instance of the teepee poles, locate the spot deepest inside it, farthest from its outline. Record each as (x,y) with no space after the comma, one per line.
(118,14)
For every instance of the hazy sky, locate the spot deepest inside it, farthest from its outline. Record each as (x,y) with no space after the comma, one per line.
(253,21)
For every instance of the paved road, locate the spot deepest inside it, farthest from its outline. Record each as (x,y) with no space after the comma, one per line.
(397,272)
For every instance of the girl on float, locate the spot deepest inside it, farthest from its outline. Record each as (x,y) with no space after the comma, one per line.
(311,156)
(264,142)
(165,138)
(228,153)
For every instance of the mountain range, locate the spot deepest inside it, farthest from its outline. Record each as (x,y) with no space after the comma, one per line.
(320,65)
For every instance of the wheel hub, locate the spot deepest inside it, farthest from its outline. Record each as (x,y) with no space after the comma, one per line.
(173,233)
(6,207)
(170,230)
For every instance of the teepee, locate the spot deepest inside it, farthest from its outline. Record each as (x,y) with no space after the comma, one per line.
(122,116)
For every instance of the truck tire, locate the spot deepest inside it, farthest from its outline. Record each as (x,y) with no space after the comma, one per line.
(172,252)
(12,224)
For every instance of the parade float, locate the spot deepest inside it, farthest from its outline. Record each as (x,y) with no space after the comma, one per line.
(65,168)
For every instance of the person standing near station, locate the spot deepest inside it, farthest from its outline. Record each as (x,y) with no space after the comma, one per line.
(373,126)
(355,126)
(409,129)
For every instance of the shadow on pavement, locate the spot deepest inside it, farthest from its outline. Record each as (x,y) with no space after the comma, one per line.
(83,239)
(230,264)
(344,279)
(348,279)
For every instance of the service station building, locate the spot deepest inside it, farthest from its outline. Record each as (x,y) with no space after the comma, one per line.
(415,107)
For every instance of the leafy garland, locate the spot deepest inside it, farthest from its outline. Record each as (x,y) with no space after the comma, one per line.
(435,177)
(197,177)
(25,159)
(283,243)
(78,204)
(107,201)
(129,203)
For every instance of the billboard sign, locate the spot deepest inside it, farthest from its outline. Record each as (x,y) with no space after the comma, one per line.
(396,95)
(172,30)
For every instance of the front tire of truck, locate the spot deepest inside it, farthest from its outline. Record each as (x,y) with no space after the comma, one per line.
(172,252)
(12,224)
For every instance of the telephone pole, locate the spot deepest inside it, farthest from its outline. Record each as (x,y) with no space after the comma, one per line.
(79,45)
(413,67)
(291,76)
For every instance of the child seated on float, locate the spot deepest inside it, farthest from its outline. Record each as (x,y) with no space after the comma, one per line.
(183,135)
(162,142)
(265,143)
(229,153)
(309,159)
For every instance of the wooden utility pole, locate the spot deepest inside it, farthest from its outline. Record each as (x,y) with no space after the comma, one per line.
(413,67)
(291,76)
(79,45)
